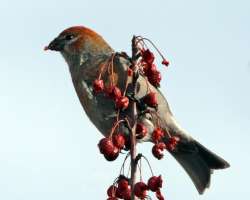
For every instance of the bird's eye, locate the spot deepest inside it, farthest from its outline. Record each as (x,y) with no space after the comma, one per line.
(69,37)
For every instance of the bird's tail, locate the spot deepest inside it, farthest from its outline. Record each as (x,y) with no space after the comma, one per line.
(199,162)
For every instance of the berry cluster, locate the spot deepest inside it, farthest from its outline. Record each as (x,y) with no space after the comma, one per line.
(147,66)
(121,189)
(116,141)
(159,146)
(111,148)
(112,92)
(154,184)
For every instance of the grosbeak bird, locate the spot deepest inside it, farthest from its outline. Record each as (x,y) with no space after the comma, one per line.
(85,52)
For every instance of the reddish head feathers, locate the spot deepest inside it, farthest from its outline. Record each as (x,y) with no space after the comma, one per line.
(86,40)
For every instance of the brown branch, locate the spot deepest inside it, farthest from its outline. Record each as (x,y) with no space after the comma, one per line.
(133,152)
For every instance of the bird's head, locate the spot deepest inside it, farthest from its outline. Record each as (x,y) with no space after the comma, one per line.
(77,40)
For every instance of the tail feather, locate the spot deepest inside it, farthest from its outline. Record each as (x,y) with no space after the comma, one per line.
(212,160)
(199,163)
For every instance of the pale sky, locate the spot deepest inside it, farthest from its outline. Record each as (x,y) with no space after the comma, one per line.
(48,146)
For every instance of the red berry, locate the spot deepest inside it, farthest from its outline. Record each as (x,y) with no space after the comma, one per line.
(150,99)
(123,184)
(140,190)
(113,92)
(106,146)
(111,191)
(152,184)
(113,155)
(141,131)
(122,103)
(159,181)
(157,135)
(149,69)
(152,68)
(130,72)
(154,77)
(98,85)
(146,68)
(148,56)
(157,150)
(126,194)
(116,93)
(118,193)
(174,140)
(119,140)
(172,143)
(165,62)
(170,147)
(155,183)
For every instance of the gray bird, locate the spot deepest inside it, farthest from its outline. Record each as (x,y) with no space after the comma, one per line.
(85,51)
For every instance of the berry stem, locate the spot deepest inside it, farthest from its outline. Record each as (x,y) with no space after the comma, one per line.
(123,164)
(148,40)
(148,165)
(115,126)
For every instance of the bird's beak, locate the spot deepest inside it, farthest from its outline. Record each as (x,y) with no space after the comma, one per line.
(55,45)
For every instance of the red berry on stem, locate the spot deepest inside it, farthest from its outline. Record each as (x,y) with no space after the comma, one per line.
(118,193)
(170,147)
(141,131)
(152,68)
(145,69)
(165,62)
(130,72)
(157,135)
(106,146)
(123,184)
(111,191)
(159,181)
(155,183)
(174,140)
(119,140)
(154,77)
(148,56)
(116,93)
(172,143)
(122,103)
(113,155)
(149,69)
(157,150)
(140,190)
(126,194)
(150,99)
(98,85)
(113,92)
(152,184)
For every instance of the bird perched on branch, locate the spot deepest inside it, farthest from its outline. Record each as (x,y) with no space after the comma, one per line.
(86,54)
